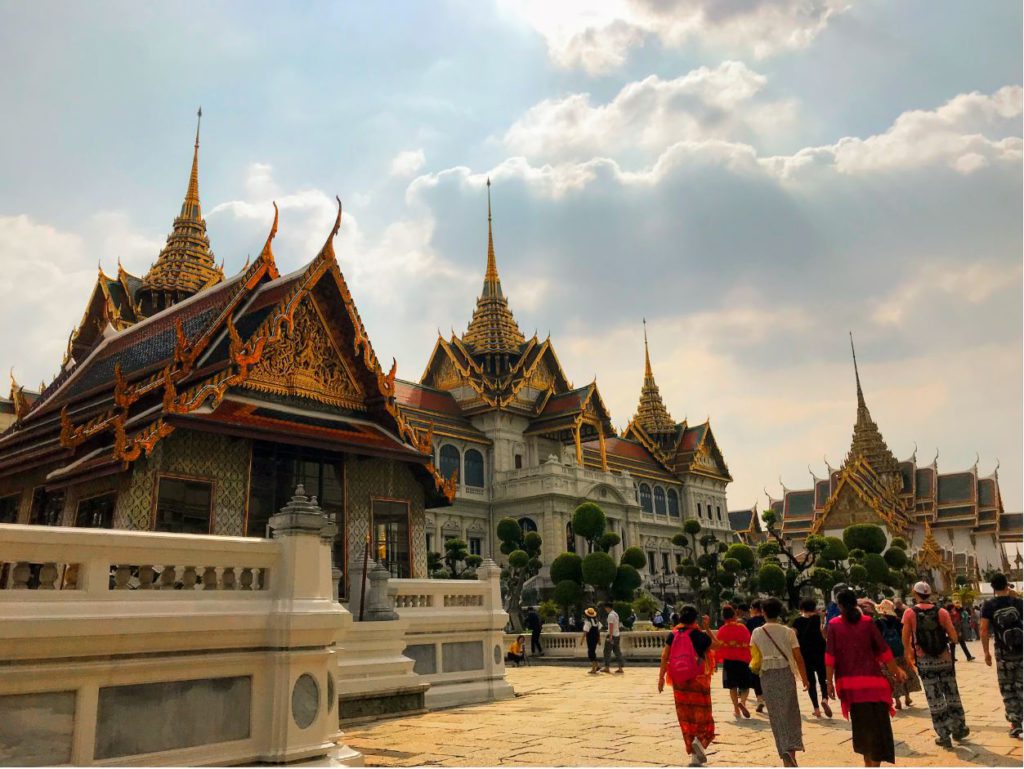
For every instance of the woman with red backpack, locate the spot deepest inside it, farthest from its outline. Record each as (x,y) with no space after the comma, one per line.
(687,664)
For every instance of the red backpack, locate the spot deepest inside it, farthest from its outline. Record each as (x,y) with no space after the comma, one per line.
(683,665)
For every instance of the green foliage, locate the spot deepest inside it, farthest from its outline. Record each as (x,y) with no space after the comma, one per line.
(434,563)
(690,526)
(866,536)
(726,579)
(688,570)
(534,564)
(455,553)
(634,556)
(824,579)
(531,543)
(508,531)
(706,561)
(645,606)
(507,547)
(567,566)
(770,519)
(731,565)
(856,555)
(961,580)
(548,611)
(588,521)
(899,543)
(567,593)
(608,540)
(518,559)
(875,566)
(473,561)
(858,574)
(626,581)
(742,553)
(623,608)
(815,543)
(772,580)
(599,570)
(896,558)
(768,549)
(681,540)
(835,549)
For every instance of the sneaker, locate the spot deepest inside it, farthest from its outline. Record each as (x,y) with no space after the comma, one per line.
(944,742)
(962,734)
(1015,731)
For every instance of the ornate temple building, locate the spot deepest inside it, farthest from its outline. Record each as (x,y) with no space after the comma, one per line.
(955,522)
(193,402)
(524,442)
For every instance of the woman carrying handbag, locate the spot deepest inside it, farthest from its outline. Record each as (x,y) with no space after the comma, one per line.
(775,652)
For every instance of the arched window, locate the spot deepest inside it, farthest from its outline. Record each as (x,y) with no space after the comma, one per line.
(673,503)
(474,468)
(718,512)
(527,525)
(700,511)
(645,498)
(659,500)
(450,460)
(570,538)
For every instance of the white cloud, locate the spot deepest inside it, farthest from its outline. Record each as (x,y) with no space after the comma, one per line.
(407,162)
(650,115)
(597,35)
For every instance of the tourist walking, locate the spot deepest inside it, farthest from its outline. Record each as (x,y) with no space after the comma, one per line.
(1002,618)
(534,625)
(955,618)
(612,639)
(777,650)
(928,636)
(810,633)
(687,665)
(734,651)
(891,628)
(753,622)
(854,649)
(591,634)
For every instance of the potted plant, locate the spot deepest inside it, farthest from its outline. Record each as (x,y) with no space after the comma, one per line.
(548,611)
(645,607)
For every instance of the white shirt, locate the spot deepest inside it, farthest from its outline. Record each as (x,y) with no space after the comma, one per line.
(589,623)
(614,626)
(771,657)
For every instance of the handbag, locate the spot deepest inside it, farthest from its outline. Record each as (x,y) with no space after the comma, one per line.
(755,660)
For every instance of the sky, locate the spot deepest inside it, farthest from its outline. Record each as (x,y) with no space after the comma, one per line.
(757,178)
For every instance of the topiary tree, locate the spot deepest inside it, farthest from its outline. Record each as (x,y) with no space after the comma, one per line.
(567,566)
(548,611)
(455,553)
(626,581)
(589,522)
(865,536)
(524,562)
(797,567)
(645,606)
(568,593)
(772,580)
(435,566)
(634,556)
(608,540)
(599,570)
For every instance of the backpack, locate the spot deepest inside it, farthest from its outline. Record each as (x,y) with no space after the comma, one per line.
(930,637)
(1007,623)
(891,634)
(683,665)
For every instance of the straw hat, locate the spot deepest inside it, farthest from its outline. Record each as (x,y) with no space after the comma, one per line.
(591,612)
(887,608)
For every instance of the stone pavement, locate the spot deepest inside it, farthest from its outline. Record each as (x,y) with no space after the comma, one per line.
(563,717)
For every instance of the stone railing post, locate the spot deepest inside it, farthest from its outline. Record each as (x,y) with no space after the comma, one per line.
(494,649)
(378,603)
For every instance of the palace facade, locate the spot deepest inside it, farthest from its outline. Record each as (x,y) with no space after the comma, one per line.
(954,522)
(193,402)
(524,442)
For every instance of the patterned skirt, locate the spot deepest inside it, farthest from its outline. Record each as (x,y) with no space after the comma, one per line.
(911,685)
(693,710)
(783,709)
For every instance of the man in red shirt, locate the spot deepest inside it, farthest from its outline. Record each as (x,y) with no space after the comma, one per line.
(928,633)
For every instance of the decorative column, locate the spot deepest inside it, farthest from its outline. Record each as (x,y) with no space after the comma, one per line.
(494,646)
(378,603)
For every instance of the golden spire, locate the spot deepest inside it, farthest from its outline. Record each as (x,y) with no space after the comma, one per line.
(651,413)
(185,266)
(930,554)
(493,329)
(867,441)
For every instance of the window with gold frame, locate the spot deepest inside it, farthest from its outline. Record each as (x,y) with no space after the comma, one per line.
(391,531)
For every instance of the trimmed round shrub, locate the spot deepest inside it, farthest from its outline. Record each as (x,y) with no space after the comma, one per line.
(691,526)
(772,580)
(622,608)
(731,565)
(866,536)
(899,543)
(742,553)
(634,556)
(472,561)
(768,549)
(815,543)
(518,559)
(568,593)
(857,554)
(588,520)
(726,579)
(858,574)
(706,561)
(896,558)
(599,569)
(874,565)
(567,566)
(645,606)
(835,549)
(688,570)
(532,542)
(509,531)
(680,540)
(535,564)
(507,547)
(626,581)
(609,540)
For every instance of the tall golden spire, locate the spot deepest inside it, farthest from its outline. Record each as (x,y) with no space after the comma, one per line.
(492,329)
(651,413)
(185,266)
(867,441)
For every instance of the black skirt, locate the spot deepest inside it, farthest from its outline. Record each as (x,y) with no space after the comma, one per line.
(872,731)
(736,674)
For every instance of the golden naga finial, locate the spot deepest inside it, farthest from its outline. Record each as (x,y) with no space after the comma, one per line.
(14,382)
(267,254)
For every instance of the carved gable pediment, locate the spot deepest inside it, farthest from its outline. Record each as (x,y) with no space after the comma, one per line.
(848,508)
(308,363)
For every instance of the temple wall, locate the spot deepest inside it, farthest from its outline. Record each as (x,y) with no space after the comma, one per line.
(23,484)
(201,456)
(368,478)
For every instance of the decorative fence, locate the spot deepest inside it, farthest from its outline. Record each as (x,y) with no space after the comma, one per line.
(637,646)
(125,648)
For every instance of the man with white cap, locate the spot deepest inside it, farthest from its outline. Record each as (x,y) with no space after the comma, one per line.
(927,634)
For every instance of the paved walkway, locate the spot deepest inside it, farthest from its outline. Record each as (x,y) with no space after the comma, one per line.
(563,717)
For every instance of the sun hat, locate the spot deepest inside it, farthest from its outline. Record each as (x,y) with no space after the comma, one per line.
(887,608)
(923,588)
(591,612)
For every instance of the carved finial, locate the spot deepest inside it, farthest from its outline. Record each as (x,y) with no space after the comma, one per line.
(337,219)
(267,253)
(199,118)
(914,455)
(977,459)
(935,462)
(856,374)
(996,471)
